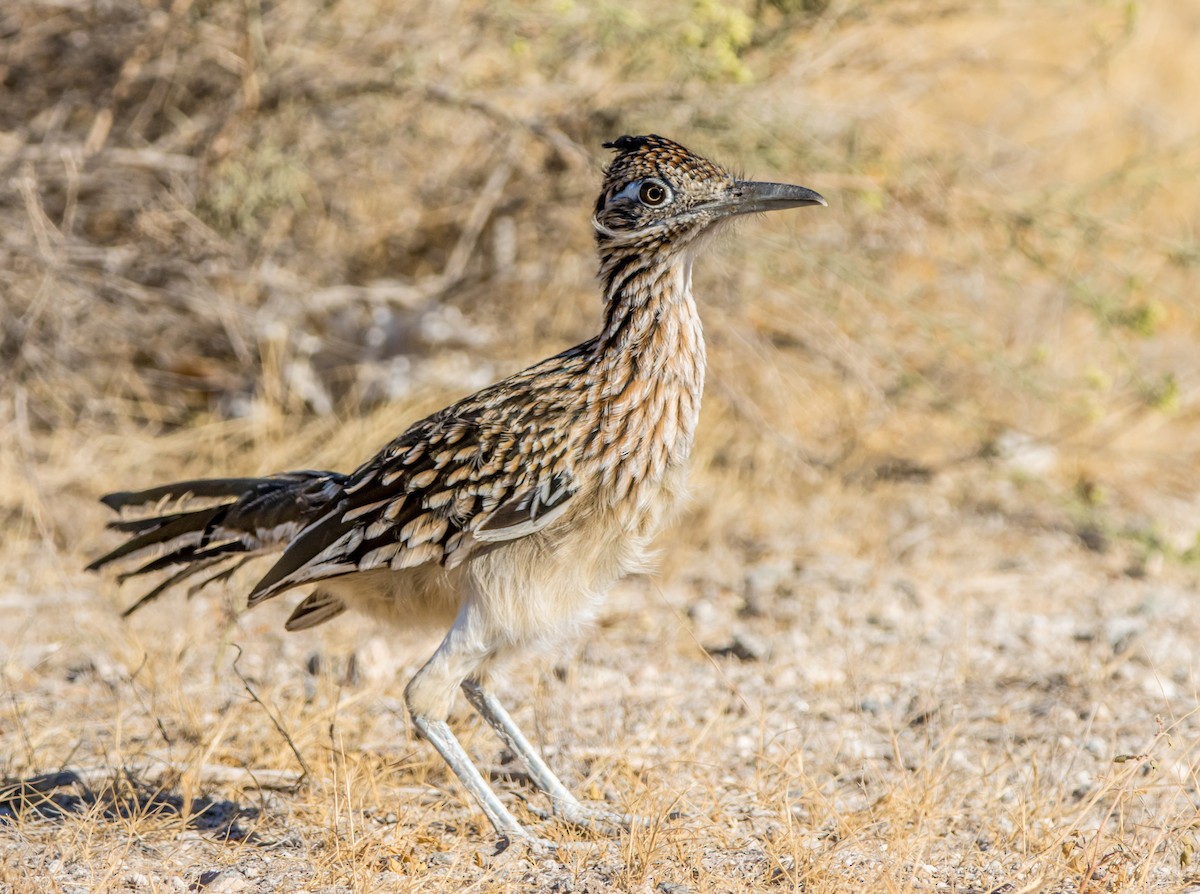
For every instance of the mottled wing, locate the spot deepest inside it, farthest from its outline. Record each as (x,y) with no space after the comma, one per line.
(454,485)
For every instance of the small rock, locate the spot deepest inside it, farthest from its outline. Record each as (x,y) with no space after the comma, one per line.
(227,881)
(742,646)
(1121,632)
(1026,455)
(669,888)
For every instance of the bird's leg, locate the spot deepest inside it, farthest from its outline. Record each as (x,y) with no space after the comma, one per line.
(440,736)
(498,718)
(565,805)
(429,695)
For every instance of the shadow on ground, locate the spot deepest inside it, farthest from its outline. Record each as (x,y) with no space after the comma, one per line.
(57,796)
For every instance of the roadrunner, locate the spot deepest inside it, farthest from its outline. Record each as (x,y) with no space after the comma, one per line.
(508,515)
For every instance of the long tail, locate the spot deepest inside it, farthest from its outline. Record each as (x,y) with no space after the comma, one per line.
(240,518)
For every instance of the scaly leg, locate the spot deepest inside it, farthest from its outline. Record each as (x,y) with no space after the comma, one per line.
(565,805)
(456,758)
(429,695)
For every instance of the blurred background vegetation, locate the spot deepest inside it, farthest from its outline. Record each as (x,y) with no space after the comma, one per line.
(253,235)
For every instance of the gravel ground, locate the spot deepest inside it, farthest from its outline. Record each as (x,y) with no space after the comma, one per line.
(980,704)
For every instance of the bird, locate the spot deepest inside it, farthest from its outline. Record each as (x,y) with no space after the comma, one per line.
(506,517)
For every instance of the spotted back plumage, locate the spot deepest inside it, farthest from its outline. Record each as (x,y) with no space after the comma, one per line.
(493,467)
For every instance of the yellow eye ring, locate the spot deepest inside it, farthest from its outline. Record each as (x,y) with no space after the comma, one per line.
(652,193)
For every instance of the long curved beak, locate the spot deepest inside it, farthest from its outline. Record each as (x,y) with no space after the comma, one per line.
(748,196)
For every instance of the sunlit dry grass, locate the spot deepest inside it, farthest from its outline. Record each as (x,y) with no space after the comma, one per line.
(929,622)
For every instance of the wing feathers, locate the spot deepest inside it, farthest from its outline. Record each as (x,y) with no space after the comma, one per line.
(317,608)
(529,511)
(491,469)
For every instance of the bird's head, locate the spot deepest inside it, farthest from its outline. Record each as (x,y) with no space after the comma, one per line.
(658,195)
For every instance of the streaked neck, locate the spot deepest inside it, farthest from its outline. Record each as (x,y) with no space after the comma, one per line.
(648,372)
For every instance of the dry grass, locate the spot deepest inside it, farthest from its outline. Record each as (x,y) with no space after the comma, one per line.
(930,621)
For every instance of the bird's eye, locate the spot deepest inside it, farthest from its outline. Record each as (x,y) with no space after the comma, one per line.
(652,193)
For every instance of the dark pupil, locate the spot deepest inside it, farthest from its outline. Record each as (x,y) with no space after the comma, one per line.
(653,194)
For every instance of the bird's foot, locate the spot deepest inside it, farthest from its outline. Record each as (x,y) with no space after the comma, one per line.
(537,848)
(592,818)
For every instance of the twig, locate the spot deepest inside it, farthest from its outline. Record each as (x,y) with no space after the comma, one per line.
(551,135)
(481,212)
(214,774)
(274,720)
(318,91)
(149,159)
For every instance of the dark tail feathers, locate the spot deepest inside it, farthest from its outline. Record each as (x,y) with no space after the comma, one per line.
(242,518)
